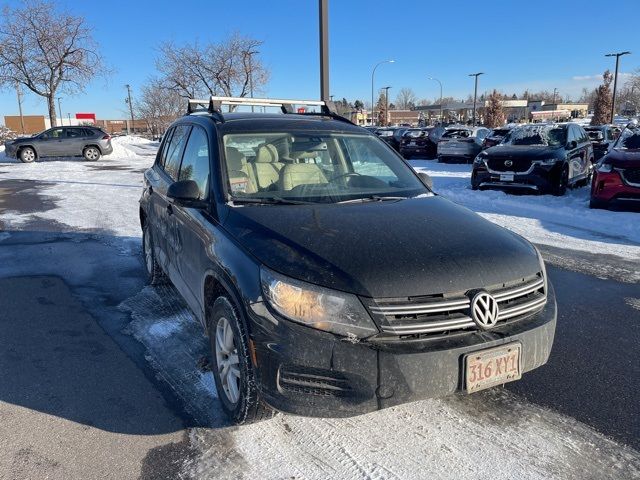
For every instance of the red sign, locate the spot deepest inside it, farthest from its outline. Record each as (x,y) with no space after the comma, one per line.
(302,110)
(86,116)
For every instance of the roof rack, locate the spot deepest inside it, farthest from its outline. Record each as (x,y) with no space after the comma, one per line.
(214,106)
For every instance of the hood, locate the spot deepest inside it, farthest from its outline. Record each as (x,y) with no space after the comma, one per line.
(623,158)
(530,152)
(411,247)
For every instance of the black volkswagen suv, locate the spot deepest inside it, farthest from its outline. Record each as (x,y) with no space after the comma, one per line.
(330,278)
(537,157)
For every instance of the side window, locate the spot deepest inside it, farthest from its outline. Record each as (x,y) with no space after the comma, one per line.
(195,161)
(54,133)
(75,132)
(163,149)
(174,150)
(571,134)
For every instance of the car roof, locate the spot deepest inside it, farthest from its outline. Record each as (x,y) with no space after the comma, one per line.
(238,122)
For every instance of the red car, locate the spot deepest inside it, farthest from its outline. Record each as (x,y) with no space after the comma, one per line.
(616,180)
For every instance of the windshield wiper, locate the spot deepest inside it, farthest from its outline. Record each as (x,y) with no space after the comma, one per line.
(270,201)
(374,198)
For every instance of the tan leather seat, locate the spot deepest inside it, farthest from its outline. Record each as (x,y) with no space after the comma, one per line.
(267,167)
(301,174)
(240,175)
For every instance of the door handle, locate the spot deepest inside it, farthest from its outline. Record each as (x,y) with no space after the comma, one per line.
(169,209)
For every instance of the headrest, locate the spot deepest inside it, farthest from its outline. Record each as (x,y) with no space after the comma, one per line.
(267,154)
(235,159)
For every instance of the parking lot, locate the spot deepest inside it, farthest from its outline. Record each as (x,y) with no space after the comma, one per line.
(70,257)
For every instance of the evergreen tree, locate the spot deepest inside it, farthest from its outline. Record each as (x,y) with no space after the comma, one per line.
(602,103)
(494,113)
(358,105)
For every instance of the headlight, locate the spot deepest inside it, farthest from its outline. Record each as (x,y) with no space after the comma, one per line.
(317,307)
(605,168)
(480,158)
(543,269)
(547,161)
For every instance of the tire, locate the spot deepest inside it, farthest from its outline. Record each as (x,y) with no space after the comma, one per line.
(593,203)
(561,185)
(155,275)
(92,154)
(27,155)
(232,368)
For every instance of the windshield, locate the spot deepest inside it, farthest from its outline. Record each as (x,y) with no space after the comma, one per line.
(629,139)
(458,133)
(315,167)
(416,133)
(537,135)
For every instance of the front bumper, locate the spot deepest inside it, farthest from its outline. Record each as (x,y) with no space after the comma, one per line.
(10,150)
(539,178)
(308,372)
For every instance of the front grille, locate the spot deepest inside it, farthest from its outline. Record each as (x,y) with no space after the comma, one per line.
(518,164)
(313,381)
(631,176)
(442,314)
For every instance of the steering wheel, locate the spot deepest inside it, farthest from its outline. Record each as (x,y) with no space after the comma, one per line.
(348,174)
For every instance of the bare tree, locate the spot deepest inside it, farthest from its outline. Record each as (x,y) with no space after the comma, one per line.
(230,68)
(602,104)
(158,106)
(47,51)
(406,99)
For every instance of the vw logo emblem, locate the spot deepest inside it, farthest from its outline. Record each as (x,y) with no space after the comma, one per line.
(484,310)
(508,163)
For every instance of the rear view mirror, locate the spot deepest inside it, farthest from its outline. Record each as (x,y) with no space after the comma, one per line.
(426,180)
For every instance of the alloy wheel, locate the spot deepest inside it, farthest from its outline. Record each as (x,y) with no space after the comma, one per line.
(92,154)
(227,360)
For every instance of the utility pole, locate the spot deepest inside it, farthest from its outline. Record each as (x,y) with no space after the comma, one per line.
(250,53)
(60,110)
(386,105)
(323,16)
(373,73)
(615,80)
(555,105)
(19,93)
(475,95)
(130,107)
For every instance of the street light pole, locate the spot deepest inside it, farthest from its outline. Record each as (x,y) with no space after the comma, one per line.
(615,80)
(372,90)
(323,14)
(250,54)
(60,110)
(441,117)
(130,106)
(475,95)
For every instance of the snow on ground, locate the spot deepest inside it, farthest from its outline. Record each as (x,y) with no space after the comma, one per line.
(494,434)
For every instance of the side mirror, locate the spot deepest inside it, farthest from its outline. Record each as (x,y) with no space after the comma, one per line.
(426,180)
(572,144)
(185,192)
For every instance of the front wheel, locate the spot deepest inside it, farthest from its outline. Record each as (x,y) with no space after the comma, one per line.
(232,368)
(91,153)
(561,185)
(27,155)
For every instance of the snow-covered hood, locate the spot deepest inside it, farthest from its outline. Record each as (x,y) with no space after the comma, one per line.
(531,152)
(411,247)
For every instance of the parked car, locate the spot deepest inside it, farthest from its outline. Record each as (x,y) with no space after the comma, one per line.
(416,142)
(461,144)
(391,135)
(616,181)
(602,137)
(89,142)
(331,280)
(537,157)
(495,136)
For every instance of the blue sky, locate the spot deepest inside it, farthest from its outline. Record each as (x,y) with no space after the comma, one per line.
(535,44)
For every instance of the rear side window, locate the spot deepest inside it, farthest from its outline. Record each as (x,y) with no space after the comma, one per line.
(76,132)
(174,150)
(163,152)
(195,161)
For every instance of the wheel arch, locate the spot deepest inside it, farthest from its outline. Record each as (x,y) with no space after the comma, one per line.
(216,285)
(22,147)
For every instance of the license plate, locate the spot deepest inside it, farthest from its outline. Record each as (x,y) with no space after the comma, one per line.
(495,366)
(412,144)
(506,177)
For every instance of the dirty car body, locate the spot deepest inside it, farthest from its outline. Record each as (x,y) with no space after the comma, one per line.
(353,291)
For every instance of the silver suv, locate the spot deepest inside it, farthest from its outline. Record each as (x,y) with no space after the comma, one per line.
(89,142)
